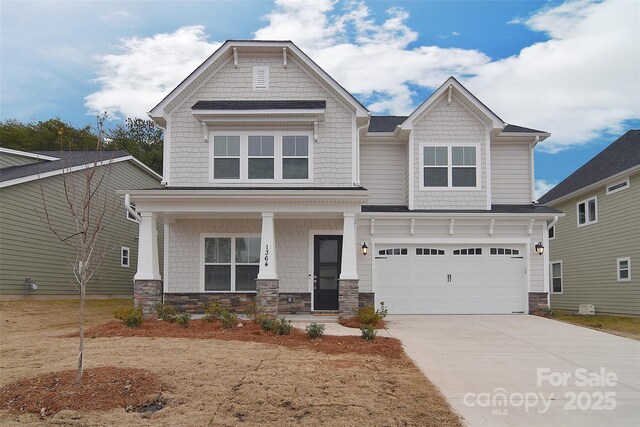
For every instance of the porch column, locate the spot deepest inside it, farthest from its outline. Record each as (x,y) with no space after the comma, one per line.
(348,287)
(147,282)
(267,283)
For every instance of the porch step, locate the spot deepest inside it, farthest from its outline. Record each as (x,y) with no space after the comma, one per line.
(325,313)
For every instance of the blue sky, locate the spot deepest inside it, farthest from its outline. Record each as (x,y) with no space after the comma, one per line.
(571,68)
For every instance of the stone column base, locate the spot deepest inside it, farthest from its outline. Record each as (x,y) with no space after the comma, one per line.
(267,296)
(146,295)
(348,298)
(538,302)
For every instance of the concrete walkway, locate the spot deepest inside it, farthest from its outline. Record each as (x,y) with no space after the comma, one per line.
(518,370)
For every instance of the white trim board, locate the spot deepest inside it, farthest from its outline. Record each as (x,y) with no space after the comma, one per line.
(27,154)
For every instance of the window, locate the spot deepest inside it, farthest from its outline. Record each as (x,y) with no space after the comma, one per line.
(226,157)
(260,78)
(449,167)
(130,216)
(394,251)
(295,157)
(624,269)
(125,256)
(504,251)
(587,212)
(428,251)
(618,186)
(260,165)
(552,233)
(556,277)
(470,251)
(253,157)
(231,264)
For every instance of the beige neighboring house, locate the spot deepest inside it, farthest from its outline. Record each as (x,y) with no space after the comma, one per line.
(29,251)
(281,187)
(595,248)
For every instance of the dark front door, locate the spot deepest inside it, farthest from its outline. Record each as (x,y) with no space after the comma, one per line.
(326,271)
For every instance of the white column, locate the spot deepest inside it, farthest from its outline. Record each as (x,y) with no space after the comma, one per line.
(268,267)
(349,270)
(148,266)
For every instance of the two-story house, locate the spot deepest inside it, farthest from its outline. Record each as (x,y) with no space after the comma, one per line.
(594,246)
(281,187)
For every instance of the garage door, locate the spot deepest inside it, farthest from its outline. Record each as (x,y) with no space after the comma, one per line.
(463,279)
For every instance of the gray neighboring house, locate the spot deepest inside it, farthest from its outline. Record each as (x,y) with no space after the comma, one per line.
(28,249)
(594,248)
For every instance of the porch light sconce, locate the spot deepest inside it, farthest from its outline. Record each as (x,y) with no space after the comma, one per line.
(365,248)
(539,248)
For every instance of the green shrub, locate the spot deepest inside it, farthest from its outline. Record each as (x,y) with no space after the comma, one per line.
(131,317)
(166,313)
(368,333)
(265,323)
(229,320)
(183,320)
(314,330)
(367,315)
(281,326)
(214,311)
(253,311)
(383,311)
(260,319)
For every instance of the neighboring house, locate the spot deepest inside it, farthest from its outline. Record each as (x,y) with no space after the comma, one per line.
(274,172)
(595,247)
(29,251)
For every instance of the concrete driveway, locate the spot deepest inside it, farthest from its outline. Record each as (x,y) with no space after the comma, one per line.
(517,370)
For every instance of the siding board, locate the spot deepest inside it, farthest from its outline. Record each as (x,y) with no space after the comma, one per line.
(382,172)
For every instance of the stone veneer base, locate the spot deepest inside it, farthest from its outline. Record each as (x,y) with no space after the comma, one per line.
(195,303)
(146,295)
(267,296)
(366,298)
(348,298)
(538,302)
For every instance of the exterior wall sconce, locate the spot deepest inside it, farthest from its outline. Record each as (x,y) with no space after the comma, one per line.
(539,248)
(365,248)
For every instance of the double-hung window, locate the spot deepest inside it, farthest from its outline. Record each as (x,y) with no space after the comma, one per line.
(556,277)
(624,269)
(587,212)
(226,157)
(261,157)
(231,264)
(449,167)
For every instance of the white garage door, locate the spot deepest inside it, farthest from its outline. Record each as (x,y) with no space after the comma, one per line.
(462,279)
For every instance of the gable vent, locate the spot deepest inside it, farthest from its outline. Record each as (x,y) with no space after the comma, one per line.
(261,78)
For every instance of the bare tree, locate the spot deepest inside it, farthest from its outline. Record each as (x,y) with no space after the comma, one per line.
(88,199)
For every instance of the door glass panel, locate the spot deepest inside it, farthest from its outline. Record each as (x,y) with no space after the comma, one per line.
(328,268)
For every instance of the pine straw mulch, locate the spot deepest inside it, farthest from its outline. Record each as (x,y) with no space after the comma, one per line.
(354,322)
(202,329)
(101,388)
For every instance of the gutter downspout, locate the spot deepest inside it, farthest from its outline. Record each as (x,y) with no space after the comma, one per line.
(127,204)
(552,223)
(357,183)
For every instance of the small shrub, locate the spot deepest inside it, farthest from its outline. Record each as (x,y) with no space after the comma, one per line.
(368,333)
(314,330)
(266,323)
(260,319)
(383,311)
(183,320)
(166,313)
(253,311)
(229,320)
(547,312)
(281,326)
(131,317)
(214,311)
(368,315)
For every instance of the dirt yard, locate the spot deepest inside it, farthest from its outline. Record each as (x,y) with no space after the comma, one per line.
(215,382)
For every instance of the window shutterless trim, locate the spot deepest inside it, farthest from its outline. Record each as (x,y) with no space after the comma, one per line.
(551,277)
(450,166)
(586,211)
(123,257)
(618,269)
(232,264)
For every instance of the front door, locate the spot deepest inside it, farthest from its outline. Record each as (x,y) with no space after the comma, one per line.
(327,251)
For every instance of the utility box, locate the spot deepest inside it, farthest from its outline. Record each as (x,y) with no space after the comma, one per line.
(586,309)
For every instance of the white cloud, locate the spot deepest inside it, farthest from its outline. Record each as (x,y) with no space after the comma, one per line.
(583,81)
(542,187)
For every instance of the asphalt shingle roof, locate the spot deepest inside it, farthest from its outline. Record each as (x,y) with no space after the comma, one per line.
(622,154)
(385,123)
(67,159)
(259,105)
(520,129)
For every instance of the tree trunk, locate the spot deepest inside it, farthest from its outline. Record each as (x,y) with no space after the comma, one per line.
(81,351)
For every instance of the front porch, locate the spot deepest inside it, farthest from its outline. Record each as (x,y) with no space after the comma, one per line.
(299,256)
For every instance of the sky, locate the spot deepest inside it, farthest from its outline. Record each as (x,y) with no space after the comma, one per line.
(571,68)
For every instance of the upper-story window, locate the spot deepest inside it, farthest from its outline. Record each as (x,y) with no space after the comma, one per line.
(587,212)
(449,166)
(261,157)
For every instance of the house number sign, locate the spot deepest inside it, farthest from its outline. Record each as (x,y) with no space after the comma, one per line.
(266,255)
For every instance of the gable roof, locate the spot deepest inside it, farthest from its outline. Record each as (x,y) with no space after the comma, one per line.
(259,105)
(622,155)
(520,129)
(157,114)
(33,155)
(63,162)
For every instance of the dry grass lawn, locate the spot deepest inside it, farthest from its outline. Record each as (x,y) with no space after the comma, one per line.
(218,383)
(626,326)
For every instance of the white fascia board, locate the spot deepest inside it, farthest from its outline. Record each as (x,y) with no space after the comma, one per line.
(246,194)
(289,112)
(77,168)
(408,123)
(27,154)
(455,215)
(595,185)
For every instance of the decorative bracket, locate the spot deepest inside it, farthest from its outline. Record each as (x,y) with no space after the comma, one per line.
(451,223)
(491,225)
(235,57)
(315,131)
(205,131)
(373,221)
(413,225)
(531,226)
(284,57)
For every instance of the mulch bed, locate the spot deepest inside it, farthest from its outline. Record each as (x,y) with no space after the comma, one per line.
(202,329)
(354,322)
(100,389)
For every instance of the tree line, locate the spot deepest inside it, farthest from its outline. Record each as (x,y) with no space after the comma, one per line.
(140,138)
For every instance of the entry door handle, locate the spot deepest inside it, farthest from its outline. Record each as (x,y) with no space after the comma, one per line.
(315,282)
(448,278)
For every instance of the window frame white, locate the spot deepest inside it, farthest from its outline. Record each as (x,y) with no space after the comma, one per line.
(256,71)
(586,212)
(626,185)
(277,156)
(450,166)
(551,277)
(129,216)
(618,269)
(123,257)
(555,230)
(233,263)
